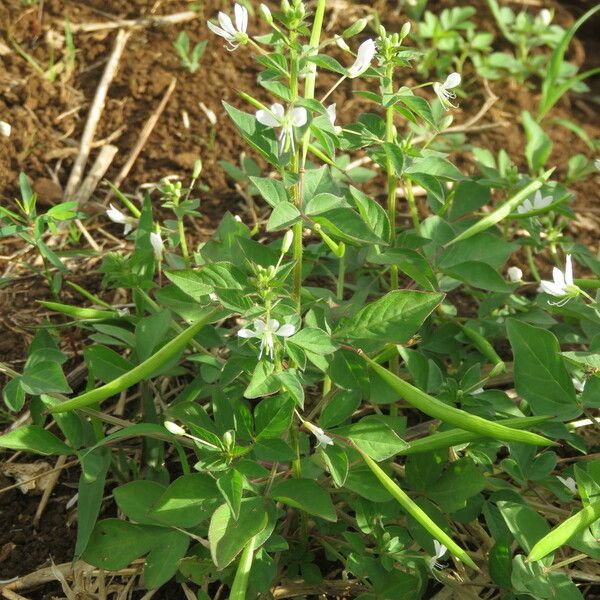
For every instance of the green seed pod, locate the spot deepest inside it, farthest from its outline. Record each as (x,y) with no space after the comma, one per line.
(561,534)
(355,28)
(197,169)
(455,416)
(485,348)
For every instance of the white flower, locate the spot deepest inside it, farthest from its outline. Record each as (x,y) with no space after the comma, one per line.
(597,164)
(331,113)
(157,245)
(538,203)
(364,56)
(5,129)
(569,483)
(563,285)
(174,428)
(443,92)
(234,35)
(440,550)
(546,16)
(277,117)
(265,332)
(116,216)
(322,438)
(515,274)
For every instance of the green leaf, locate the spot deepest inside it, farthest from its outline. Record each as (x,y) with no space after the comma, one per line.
(524,523)
(539,144)
(307,495)
(228,536)
(459,482)
(283,216)
(44,378)
(348,226)
(480,275)
(163,560)
(435,166)
(291,383)
(258,136)
(188,501)
(377,435)
(91,492)
(135,499)
(14,395)
(313,340)
(150,332)
(541,377)
(33,438)
(502,211)
(231,486)
(393,318)
(105,364)
(337,463)
(114,543)
(272,190)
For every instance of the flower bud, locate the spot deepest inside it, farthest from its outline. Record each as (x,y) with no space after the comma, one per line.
(355,28)
(265,13)
(405,30)
(174,428)
(228,439)
(288,238)
(197,169)
(341,43)
(546,16)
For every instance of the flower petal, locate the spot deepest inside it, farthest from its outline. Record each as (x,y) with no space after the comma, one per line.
(286,330)
(266,118)
(278,110)
(569,270)
(115,215)
(273,325)
(452,81)
(331,113)
(247,333)
(549,287)
(220,32)
(226,24)
(241,18)
(259,325)
(299,116)
(364,56)
(558,277)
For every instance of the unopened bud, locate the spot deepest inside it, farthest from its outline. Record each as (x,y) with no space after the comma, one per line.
(355,28)
(288,238)
(405,30)
(341,43)
(197,169)
(446,122)
(228,439)
(174,428)
(265,13)
(285,6)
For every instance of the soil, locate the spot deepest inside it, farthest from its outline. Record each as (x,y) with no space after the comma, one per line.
(47,120)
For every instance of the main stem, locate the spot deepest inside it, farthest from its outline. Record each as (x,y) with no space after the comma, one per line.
(392,180)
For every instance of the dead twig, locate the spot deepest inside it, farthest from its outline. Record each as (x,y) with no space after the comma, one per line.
(52,480)
(154,21)
(143,137)
(96,173)
(96,112)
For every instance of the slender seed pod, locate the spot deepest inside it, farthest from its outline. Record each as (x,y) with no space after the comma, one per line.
(456,437)
(565,531)
(415,511)
(455,416)
(77,311)
(485,348)
(140,372)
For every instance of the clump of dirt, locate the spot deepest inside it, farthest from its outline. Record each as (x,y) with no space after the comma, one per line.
(24,549)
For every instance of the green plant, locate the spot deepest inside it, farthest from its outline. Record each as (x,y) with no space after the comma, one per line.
(35,229)
(190,58)
(337,384)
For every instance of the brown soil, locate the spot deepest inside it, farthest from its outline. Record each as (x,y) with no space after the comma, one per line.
(48,118)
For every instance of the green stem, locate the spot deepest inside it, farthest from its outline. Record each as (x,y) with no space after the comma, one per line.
(182,240)
(242,575)
(531,263)
(412,206)
(341,278)
(392,180)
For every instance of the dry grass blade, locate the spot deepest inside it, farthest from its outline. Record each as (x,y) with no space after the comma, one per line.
(153,21)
